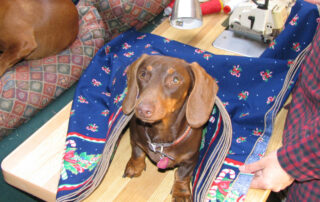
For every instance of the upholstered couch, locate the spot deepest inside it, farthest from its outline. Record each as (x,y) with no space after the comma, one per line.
(31,85)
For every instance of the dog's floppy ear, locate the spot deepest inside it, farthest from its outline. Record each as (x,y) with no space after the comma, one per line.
(130,100)
(201,98)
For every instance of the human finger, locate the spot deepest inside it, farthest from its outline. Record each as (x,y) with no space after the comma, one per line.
(258,182)
(252,167)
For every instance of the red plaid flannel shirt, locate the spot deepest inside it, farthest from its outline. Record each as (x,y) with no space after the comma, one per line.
(300,153)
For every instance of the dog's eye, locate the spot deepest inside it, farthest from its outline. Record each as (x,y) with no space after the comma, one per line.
(175,80)
(142,75)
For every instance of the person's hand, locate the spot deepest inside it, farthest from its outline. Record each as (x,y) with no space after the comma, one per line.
(268,173)
(313,1)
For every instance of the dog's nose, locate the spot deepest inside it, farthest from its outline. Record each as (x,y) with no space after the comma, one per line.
(145,110)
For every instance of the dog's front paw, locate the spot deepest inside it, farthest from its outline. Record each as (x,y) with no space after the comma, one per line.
(181,192)
(134,167)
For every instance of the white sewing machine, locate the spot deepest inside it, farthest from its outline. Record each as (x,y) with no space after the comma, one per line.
(261,21)
(252,25)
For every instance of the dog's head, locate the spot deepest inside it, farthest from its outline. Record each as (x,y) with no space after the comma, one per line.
(160,85)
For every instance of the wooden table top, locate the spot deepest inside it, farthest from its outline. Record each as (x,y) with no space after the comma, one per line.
(35,165)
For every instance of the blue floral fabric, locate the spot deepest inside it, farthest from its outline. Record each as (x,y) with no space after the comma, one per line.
(252,90)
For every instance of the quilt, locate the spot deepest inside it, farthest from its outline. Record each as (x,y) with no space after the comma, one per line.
(251,90)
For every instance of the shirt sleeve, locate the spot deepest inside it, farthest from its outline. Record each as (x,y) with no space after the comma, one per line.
(300,154)
(300,157)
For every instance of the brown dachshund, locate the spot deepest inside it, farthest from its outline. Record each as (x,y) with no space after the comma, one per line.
(171,100)
(33,29)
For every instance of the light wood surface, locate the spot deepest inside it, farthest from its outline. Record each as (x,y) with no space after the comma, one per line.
(35,165)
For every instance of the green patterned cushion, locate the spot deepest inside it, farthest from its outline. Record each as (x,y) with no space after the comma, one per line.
(120,15)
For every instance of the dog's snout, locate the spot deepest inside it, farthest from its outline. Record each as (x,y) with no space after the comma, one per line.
(145,110)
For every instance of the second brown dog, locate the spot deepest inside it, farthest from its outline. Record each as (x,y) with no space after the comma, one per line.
(34,29)
(171,100)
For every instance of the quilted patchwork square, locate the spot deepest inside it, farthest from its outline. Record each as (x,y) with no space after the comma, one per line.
(64,59)
(108,15)
(78,60)
(113,24)
(82,10)
(117,11)
(104,5)
(34,99)
(49,89)
(7,94)
(22,95)
(76,71)
(50,68)
(36,86)
(18,108)
(127,19)
(64,68)
(89,16)
(87,36)
(36,76)
(127,7)
(63,81)
(136,11)
(77,50)
(88,51)
(97,34)
(22,75)
(23,85)
(50,77)
(6,105)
